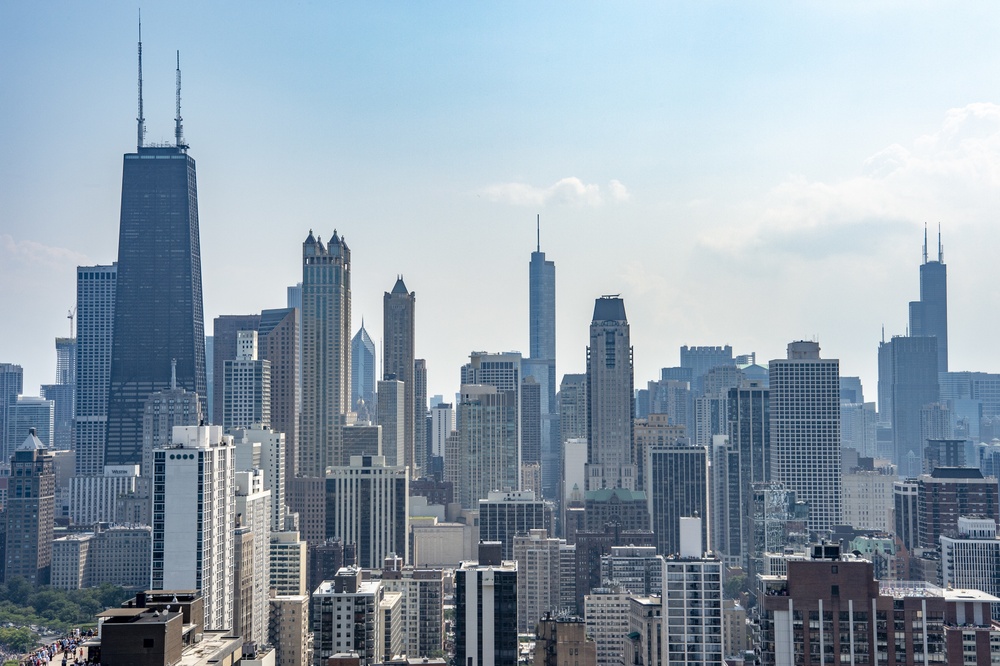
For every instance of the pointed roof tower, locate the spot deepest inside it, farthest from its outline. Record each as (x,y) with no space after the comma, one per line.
(400,286)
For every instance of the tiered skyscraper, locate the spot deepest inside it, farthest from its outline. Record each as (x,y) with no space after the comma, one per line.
(542,362)
(929,315)
(398,309)
(363,370)
(610,406)
(158,310)
(326,353)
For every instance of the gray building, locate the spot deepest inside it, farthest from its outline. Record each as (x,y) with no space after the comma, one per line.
(908,367)
(363,370)
(929,315)
(398,355)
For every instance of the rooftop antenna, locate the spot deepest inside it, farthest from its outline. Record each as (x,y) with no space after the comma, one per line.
(925,242)
(173,374)
(141,120)
(178,127)
(940,246)
(538,233)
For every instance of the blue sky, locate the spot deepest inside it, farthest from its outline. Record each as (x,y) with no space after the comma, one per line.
(743,174)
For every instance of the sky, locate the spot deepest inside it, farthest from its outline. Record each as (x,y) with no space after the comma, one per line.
(740,173)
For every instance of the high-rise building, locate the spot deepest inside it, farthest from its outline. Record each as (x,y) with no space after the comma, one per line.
(678,487)
(727,511)
(750,433)
(62,397)
(487,457)
(26,413)
(11,386)
(971,558)
(649,432)
(326,353)
(30,512)
(929,315)
(908,366)
(158,313)
(541,363)
(540,577)
(253,513)
(486,610)
(563,640)
(363,369)
(442,423)
(702,359)
(225,333)
(194,517)
(398,311)
(368,505)
(606,611)
(358,601)
(66,360)
(804,399)
(422,593)
(692,592)
(161,412)
(391,416)
(637,569)
(531,421)
(610,404)
(247,386)
(420,433)
(279,344)
(947,494)
(504,515)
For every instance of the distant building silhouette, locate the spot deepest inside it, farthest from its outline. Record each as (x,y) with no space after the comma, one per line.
(929,315)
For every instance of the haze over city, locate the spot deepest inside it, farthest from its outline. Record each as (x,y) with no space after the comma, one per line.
(740,175)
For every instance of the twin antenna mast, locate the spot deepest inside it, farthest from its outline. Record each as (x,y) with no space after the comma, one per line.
(141,120)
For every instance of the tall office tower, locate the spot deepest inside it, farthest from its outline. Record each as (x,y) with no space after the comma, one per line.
(162,411)
(673,396)
(678,483)
(711,411)
(908,366)
(610,404)
(503,515)
(654,430)
(487,456)
(279,343)
(247,386)
(398,310)
(66,360)
(539,566)
(61,396)
(858,422)
(363,369)
(851,390)
(11,386)
(225,334)
(702,359)
(420,413)
(805,430)
(442,423)
(562,641)
(573,407)
(158,310)
(531,421)
(636,569)
(30,513)
(391,416)
(929,315)
(193,518)
(504,372)
(750,431)
(541,363)
(693,592)
(486,610)
(727,502)
(210,373)
(26,413)
(368,504)
(326,353)
(253,511)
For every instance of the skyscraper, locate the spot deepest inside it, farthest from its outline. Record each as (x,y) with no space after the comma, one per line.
(805,430)
(486,610)
(158,310)
(363,369)
(610,405)
(398,309)
(30,512)
(11,386)
(326,353)
(279,344)
(929,315)
(542,362)
(247,391)
(908,366)
(225,330)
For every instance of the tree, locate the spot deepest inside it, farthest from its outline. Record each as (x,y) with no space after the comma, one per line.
(17,639)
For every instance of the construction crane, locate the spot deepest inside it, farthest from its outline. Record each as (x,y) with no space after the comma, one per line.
(71,315)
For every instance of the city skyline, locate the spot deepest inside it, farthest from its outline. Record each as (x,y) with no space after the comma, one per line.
(794,207)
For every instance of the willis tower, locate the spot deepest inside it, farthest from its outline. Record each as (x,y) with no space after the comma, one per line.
(158,310)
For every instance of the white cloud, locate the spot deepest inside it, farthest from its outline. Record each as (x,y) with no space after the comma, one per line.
(569,190)
(33,253)
(950,176)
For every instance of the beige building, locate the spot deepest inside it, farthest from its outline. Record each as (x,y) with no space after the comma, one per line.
(867,500)
(645,637)
(563,642)
(289,630)
(288,564)
(118,555)
(606,612)
(539,578)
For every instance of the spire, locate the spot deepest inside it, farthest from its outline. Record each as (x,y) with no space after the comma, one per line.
(538,233)
(178,127)
(173,374)
(925,242)
(141,120)
(940,246)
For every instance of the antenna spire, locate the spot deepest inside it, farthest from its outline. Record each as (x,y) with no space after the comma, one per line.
(925,242)
(173,374)
(940,246)
(141,120)
(178,127)
(538,232)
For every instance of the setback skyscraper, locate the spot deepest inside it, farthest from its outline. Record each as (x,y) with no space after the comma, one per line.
(398,309)
(158,310)
(542,362)
(610,406)
(929,315)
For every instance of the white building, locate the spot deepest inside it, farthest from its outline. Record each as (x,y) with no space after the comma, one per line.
(253,509)
(539,577)
(247,386)
(972,559)
(194,505)
(348,615)
(422,609)
(264,449)
(867,499)
(368,504)
(606,612)
(805,430)
(391,415)
(95,498)
(288,563)
(692,603)
(442,423)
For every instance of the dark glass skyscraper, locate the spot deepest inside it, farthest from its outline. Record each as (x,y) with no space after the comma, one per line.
(158,318)
(929,315)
